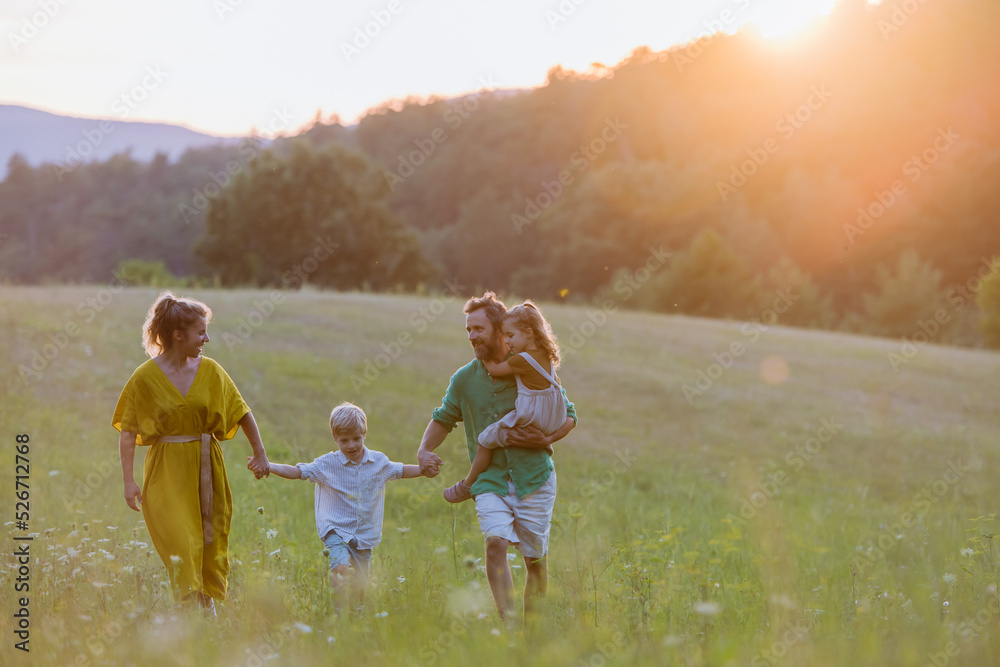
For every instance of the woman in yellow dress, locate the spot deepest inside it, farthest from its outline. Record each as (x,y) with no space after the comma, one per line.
(181,404)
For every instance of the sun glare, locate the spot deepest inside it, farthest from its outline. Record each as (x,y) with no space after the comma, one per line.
(784,20)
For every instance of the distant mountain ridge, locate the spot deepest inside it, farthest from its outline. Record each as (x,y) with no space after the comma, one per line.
(42,137)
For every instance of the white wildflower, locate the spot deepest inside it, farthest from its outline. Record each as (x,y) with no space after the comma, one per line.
(707,608)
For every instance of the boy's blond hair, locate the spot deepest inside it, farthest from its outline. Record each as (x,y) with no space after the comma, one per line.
(347,419)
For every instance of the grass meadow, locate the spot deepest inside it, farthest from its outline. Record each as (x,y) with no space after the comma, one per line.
(811,498)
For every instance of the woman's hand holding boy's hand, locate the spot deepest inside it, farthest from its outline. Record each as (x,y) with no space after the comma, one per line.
(259,465)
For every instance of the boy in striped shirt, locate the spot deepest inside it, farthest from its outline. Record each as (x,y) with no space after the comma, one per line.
(350,499)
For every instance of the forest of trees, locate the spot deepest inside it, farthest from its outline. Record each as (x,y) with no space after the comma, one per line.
(858,172)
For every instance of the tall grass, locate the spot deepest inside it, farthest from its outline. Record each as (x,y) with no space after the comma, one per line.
(729,529)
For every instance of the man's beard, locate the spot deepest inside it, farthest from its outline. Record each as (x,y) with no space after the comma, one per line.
(488,350)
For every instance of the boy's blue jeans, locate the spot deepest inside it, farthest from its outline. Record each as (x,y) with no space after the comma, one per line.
(347,553)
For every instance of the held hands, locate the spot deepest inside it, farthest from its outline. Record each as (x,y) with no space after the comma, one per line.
(259,465)
(133,495)
(430,463)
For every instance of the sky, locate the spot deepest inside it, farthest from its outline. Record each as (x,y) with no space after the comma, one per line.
(228,66)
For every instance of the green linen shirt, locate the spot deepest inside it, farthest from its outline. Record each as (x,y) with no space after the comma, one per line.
(478,399)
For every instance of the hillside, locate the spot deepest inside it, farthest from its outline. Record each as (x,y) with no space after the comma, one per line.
(42,137)
(857,166)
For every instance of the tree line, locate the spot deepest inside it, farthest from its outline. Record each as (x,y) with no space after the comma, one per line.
(855,174)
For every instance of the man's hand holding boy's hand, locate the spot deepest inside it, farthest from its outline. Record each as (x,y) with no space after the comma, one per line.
(430,463)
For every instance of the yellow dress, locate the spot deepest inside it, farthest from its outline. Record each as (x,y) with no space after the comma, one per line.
(151,406)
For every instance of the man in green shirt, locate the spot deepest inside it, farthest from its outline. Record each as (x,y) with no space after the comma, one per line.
(516,494)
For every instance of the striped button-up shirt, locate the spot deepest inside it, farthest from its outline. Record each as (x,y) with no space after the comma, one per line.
(350,497)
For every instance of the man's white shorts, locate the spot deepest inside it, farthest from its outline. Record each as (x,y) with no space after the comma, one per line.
(523,521)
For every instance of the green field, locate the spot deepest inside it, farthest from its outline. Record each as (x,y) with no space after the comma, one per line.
(812,505)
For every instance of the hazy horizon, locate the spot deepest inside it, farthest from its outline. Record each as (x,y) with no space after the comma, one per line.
(244,65)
